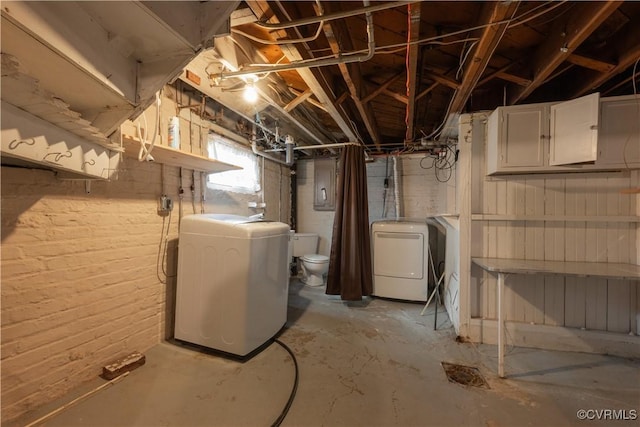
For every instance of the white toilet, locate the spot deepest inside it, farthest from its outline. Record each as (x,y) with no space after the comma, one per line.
(314,266)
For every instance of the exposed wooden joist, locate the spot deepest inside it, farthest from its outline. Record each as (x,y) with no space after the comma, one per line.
(324,95)
(629,48)
(382,87)
(241,17)
(397,96)
(503,74)
(442,79)
(565,36)
(298,100)
(412,67)
(352,76)
(310,100)
(514,79)
(343,97)
(592,64)
(491,36)
(427,90)
(495,74)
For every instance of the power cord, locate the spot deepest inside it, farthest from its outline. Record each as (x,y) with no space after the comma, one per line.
(285,410)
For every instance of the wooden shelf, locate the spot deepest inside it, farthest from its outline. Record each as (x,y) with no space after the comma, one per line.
(171,156)
(572,218)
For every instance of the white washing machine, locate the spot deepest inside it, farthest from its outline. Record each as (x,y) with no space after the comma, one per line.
(400,254)
(233,278)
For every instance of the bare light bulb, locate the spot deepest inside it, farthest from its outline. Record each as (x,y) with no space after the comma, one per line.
(250,93)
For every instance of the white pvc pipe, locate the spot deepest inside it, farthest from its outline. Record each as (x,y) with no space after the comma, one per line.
(254,148)
(307,63)
(396,190)
(332,16)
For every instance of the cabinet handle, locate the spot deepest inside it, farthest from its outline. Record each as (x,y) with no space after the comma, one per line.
(593,127)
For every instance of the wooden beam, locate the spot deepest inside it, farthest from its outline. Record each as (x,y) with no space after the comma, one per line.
(412,67)
(514,79)
(489,40)
(241,17)
(343,97)
(590,63)
(397,96)
(427,90)
(495,74)
(565,36)
(298,100)
(382,87)
(629,48)
(308,99)
(442,79)
(352,76)
(310,76)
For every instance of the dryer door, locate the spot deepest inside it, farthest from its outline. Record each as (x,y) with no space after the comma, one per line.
(398,255)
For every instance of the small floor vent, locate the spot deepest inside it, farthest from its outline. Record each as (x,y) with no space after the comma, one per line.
(465,375)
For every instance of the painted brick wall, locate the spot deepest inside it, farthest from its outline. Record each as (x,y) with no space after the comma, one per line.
(83,281)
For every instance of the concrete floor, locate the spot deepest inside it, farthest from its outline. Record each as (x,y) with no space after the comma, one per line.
(374,363)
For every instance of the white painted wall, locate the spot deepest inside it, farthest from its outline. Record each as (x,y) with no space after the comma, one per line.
(606,235)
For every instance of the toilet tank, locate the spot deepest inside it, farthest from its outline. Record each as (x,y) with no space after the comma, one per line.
(305,243)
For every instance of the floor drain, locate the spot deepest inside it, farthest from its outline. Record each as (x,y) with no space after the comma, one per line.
(465,375)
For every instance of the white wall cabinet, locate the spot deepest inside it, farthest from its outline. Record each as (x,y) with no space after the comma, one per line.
(585,134)
(517,138)
(619,132)
(573,136)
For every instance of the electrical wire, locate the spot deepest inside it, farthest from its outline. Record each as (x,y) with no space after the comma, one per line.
(164,238)
(463,59)
(442,165)
(555,5)
(294,389)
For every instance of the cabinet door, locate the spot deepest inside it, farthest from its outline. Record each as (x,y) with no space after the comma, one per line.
(619,136)
(574,131)
(523,132)
(516,138)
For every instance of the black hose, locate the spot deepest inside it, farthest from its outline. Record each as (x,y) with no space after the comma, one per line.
(283,414)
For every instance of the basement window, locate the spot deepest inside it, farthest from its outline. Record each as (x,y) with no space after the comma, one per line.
(245,180)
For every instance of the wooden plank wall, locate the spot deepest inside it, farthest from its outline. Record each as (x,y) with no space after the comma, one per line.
(593,304)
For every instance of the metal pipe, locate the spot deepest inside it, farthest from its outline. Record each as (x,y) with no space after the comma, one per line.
(289,146)
(332,16)
(307,63)
(315,147)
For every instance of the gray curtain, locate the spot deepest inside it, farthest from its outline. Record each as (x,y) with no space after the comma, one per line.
(350,273)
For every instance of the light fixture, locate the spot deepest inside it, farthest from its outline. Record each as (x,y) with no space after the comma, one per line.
(250,93)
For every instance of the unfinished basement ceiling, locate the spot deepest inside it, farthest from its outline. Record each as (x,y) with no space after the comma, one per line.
(430,61)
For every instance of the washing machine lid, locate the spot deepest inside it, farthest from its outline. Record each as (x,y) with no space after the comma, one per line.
(315,258)
(231,226)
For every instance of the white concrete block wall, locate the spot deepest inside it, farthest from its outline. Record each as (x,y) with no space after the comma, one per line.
(420,192)
(421,195)
(82,283)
